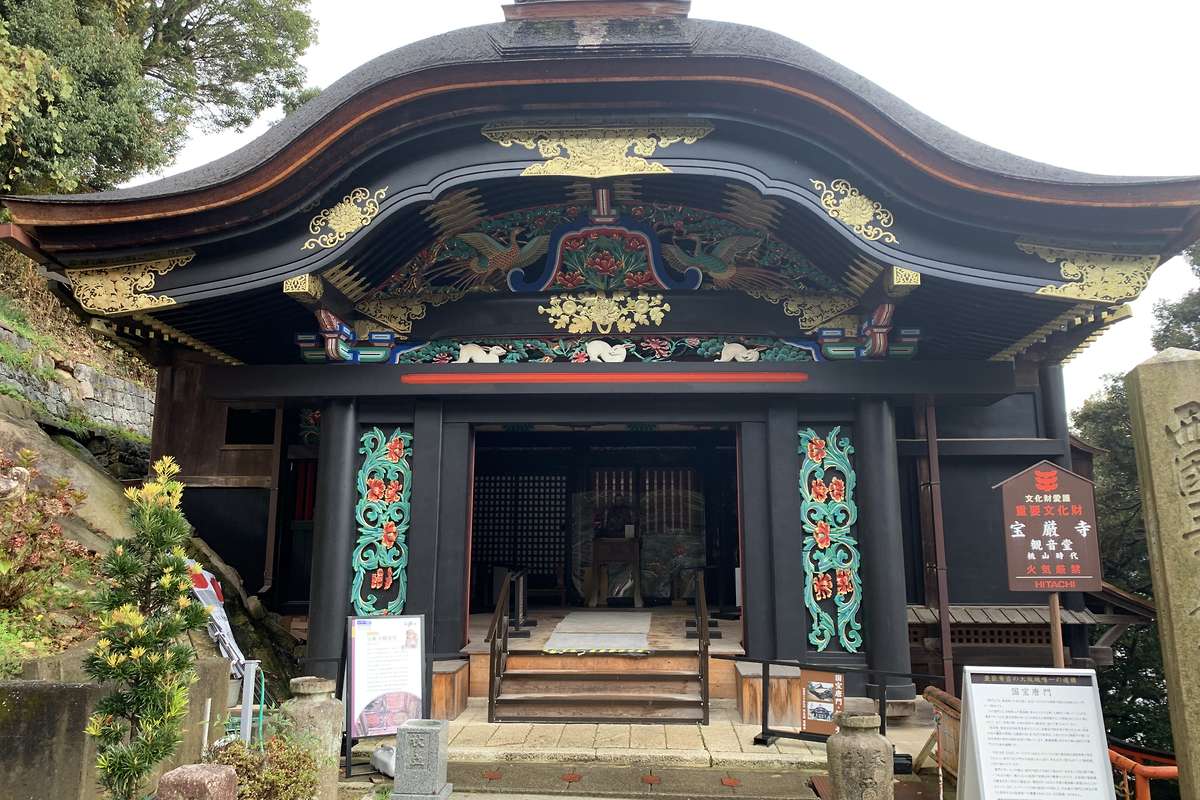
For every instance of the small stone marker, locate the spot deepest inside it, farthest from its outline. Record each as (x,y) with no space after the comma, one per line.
(860,759)
(319,719)
(421,750)
(199,782)
(1164,403)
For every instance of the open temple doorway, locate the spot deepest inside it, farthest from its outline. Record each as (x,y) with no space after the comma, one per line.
(605,516)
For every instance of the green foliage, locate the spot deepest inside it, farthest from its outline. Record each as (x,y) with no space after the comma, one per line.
(22,360)
(293,103)
(19,641)
(108,127)
(33,550)
(93,92)
(146,609)
(1177,324)
(283,769)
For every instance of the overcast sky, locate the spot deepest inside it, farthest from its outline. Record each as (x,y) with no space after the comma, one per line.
(1098,86)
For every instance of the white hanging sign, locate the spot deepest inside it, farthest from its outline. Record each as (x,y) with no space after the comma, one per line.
(1032,734)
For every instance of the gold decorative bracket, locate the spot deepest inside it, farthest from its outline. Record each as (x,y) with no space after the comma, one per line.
(596,150)
(1093,276)
(307,289)
(337,223)
(119,288)
(900,281)
(812,309)
(855,210)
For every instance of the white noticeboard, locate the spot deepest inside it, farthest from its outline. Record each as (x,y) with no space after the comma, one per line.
(385,673)
(1032,734)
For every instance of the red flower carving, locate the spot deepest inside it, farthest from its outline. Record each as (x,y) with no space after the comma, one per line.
(603,262)
(821,534)
(816,450)
(392,494)
(822,586)
(579,357)
(443,358)
(692,341)
(387,579)
(568,280)
(635,243)
(377,579)
(572,211)
(395,450)
(389,534)
(638,280)
(837,489)
(638,211)
(845,582)
(660,347)
(573,243)
(819,490)
(374,489)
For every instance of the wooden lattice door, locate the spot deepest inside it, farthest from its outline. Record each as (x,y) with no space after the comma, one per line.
(520,522)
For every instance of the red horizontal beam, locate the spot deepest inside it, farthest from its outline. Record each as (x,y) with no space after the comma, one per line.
(444,378)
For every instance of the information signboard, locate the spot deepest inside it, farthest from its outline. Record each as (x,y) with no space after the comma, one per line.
(385,673)
(1050,531)
(1032,734)
(824,697)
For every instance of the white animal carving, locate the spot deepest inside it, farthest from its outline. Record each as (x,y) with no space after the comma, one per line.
(477,354)
(736,351)
(600,350)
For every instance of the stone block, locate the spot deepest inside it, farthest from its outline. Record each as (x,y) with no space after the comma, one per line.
(318,718)
(860,759)
(1164,404)
(199,782)
(422,747)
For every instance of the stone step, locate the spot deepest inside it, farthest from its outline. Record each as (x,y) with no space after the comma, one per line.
(619,663)
(599,706)
(569,681)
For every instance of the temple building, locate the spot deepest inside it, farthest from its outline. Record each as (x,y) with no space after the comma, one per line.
(628,303)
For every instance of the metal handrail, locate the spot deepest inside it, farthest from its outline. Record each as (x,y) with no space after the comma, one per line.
(703,639)
(501,605)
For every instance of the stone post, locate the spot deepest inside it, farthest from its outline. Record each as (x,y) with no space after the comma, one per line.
(421,749)
(199,782)
(318,719)
(1164,404)
(860,759)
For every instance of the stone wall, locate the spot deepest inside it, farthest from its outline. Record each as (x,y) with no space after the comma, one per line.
(77,387)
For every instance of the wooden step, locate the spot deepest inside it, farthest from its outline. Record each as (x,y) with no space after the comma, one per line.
(599,707)
(669,662)
(562,682)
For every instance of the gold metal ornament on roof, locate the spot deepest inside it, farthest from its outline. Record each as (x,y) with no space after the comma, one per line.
(120,288)
(1099,277)
(812,309)
(596,150)
(598,311)
(337,223)
(399,313)
(855,210)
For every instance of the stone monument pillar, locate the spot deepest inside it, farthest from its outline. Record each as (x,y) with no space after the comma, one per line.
(1164,403)
(319,718)
(422,746)
(860,759)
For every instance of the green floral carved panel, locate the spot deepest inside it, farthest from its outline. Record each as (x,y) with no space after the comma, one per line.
(833,588)
(380,559)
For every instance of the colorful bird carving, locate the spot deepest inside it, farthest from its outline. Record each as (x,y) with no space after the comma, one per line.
(717,262)
(495,256)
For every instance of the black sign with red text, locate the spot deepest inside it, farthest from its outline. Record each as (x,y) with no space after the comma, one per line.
(1050,531)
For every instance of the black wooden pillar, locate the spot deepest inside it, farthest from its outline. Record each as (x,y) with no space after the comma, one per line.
(758,581)
(333,536)
(787,537)
(879,535)
(1054,413)
(437,538)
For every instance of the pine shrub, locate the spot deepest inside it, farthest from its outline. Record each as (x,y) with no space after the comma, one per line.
(146,610)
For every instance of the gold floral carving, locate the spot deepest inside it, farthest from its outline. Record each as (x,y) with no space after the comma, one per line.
(1099,277)
(596,151)
(855,210)
(399,313)
(812,308)
(120,288)
(900,281)
(307,288)
(588,311)
(335,224)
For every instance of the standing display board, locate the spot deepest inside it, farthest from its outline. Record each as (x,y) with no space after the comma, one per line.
(1032,734)
(385,673)
(824,697)
(1050,531)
